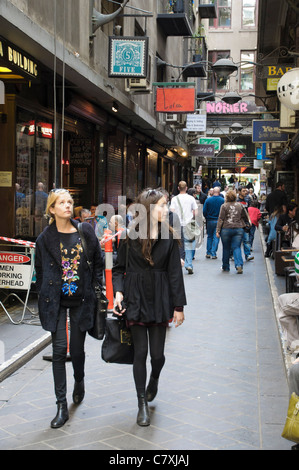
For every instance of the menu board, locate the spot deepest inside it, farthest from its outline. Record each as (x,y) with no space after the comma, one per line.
(81,151)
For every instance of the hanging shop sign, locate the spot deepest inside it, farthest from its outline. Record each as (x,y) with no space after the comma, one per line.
(18,60)
(128,57)
(215,141)
(274,74)
(15,270)
(196,123)
(267,131)
(202,150)
(242,107)
(175,100)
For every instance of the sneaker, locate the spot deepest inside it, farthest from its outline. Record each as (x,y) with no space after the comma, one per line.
(239,270)
(214,257)
(249,258)
(190,270)
(208,256)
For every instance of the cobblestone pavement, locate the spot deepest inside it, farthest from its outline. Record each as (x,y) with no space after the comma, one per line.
(224,384)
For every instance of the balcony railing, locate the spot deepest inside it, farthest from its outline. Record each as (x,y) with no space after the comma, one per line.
(176,17)
(195,57)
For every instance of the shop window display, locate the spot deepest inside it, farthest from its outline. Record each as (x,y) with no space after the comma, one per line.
(33,147)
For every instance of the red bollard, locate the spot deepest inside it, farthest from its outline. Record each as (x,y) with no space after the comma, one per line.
(108,267)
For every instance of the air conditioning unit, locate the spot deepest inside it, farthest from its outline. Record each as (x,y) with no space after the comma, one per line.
(287,119)
(138,85)
(175,119)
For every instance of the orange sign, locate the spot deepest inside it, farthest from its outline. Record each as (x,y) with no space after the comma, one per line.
(175,100)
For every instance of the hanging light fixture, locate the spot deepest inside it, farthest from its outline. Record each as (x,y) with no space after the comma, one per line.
(115,107)
(231,97)
(224,68)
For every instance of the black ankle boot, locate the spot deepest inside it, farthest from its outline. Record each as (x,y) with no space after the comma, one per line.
(79,392)
(152,389)
(61,417)
(143,418)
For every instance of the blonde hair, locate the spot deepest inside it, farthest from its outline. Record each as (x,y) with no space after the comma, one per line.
(52,198)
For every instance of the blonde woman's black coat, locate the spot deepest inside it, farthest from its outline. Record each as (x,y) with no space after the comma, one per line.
(48,266)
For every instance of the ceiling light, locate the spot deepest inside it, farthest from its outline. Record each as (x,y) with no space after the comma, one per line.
(5,70)
(115,107)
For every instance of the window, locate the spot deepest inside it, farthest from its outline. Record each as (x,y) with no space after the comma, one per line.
(249,13)
(214,83)
(34,150)
(247,71)
(223,20)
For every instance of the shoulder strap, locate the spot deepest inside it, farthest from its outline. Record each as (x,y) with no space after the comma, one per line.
(179,203)
(84,244)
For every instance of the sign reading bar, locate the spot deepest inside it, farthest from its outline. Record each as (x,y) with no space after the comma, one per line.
(128,57)
(175,100)
(16,59)
(267,131)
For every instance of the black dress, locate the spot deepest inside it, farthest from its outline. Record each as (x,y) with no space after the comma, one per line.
(150,292)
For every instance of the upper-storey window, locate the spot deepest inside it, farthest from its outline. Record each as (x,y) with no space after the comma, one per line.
(224,14)
(249,13)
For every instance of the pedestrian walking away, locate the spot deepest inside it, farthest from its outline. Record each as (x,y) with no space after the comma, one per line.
(255,216)
(230,227)
(245,200)
(149,289)
(185,207)
(65,286)
(211,211)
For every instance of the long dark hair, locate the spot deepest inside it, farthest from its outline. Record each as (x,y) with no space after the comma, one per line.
(147,198)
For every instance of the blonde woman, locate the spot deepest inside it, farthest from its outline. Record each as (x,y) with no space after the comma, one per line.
(64,283)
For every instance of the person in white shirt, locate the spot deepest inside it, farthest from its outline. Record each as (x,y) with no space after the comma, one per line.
(185,207)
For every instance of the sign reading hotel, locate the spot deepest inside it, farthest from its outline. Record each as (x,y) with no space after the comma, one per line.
(128,57)
(15,271)
(12,57)
(175,100)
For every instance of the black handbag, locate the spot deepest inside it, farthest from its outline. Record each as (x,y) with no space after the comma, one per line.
(100,312)
(117,346)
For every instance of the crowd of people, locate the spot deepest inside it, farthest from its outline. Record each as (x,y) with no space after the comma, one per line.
(148,280)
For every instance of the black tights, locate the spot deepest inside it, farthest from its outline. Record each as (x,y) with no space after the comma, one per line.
(142,336)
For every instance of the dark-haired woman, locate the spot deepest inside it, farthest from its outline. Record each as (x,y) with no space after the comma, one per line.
(152,290)
(64,283)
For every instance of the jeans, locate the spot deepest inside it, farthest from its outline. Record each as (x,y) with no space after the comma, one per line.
(189,250)
(251,234)
(59,344)
(212,241)
(246,244)
(231,240)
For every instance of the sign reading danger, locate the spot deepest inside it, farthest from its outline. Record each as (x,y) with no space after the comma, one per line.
(15,271)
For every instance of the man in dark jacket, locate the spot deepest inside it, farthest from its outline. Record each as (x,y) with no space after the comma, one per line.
(277,198)
(284,223)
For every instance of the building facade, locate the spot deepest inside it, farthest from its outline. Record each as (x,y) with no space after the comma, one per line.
(66,122)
